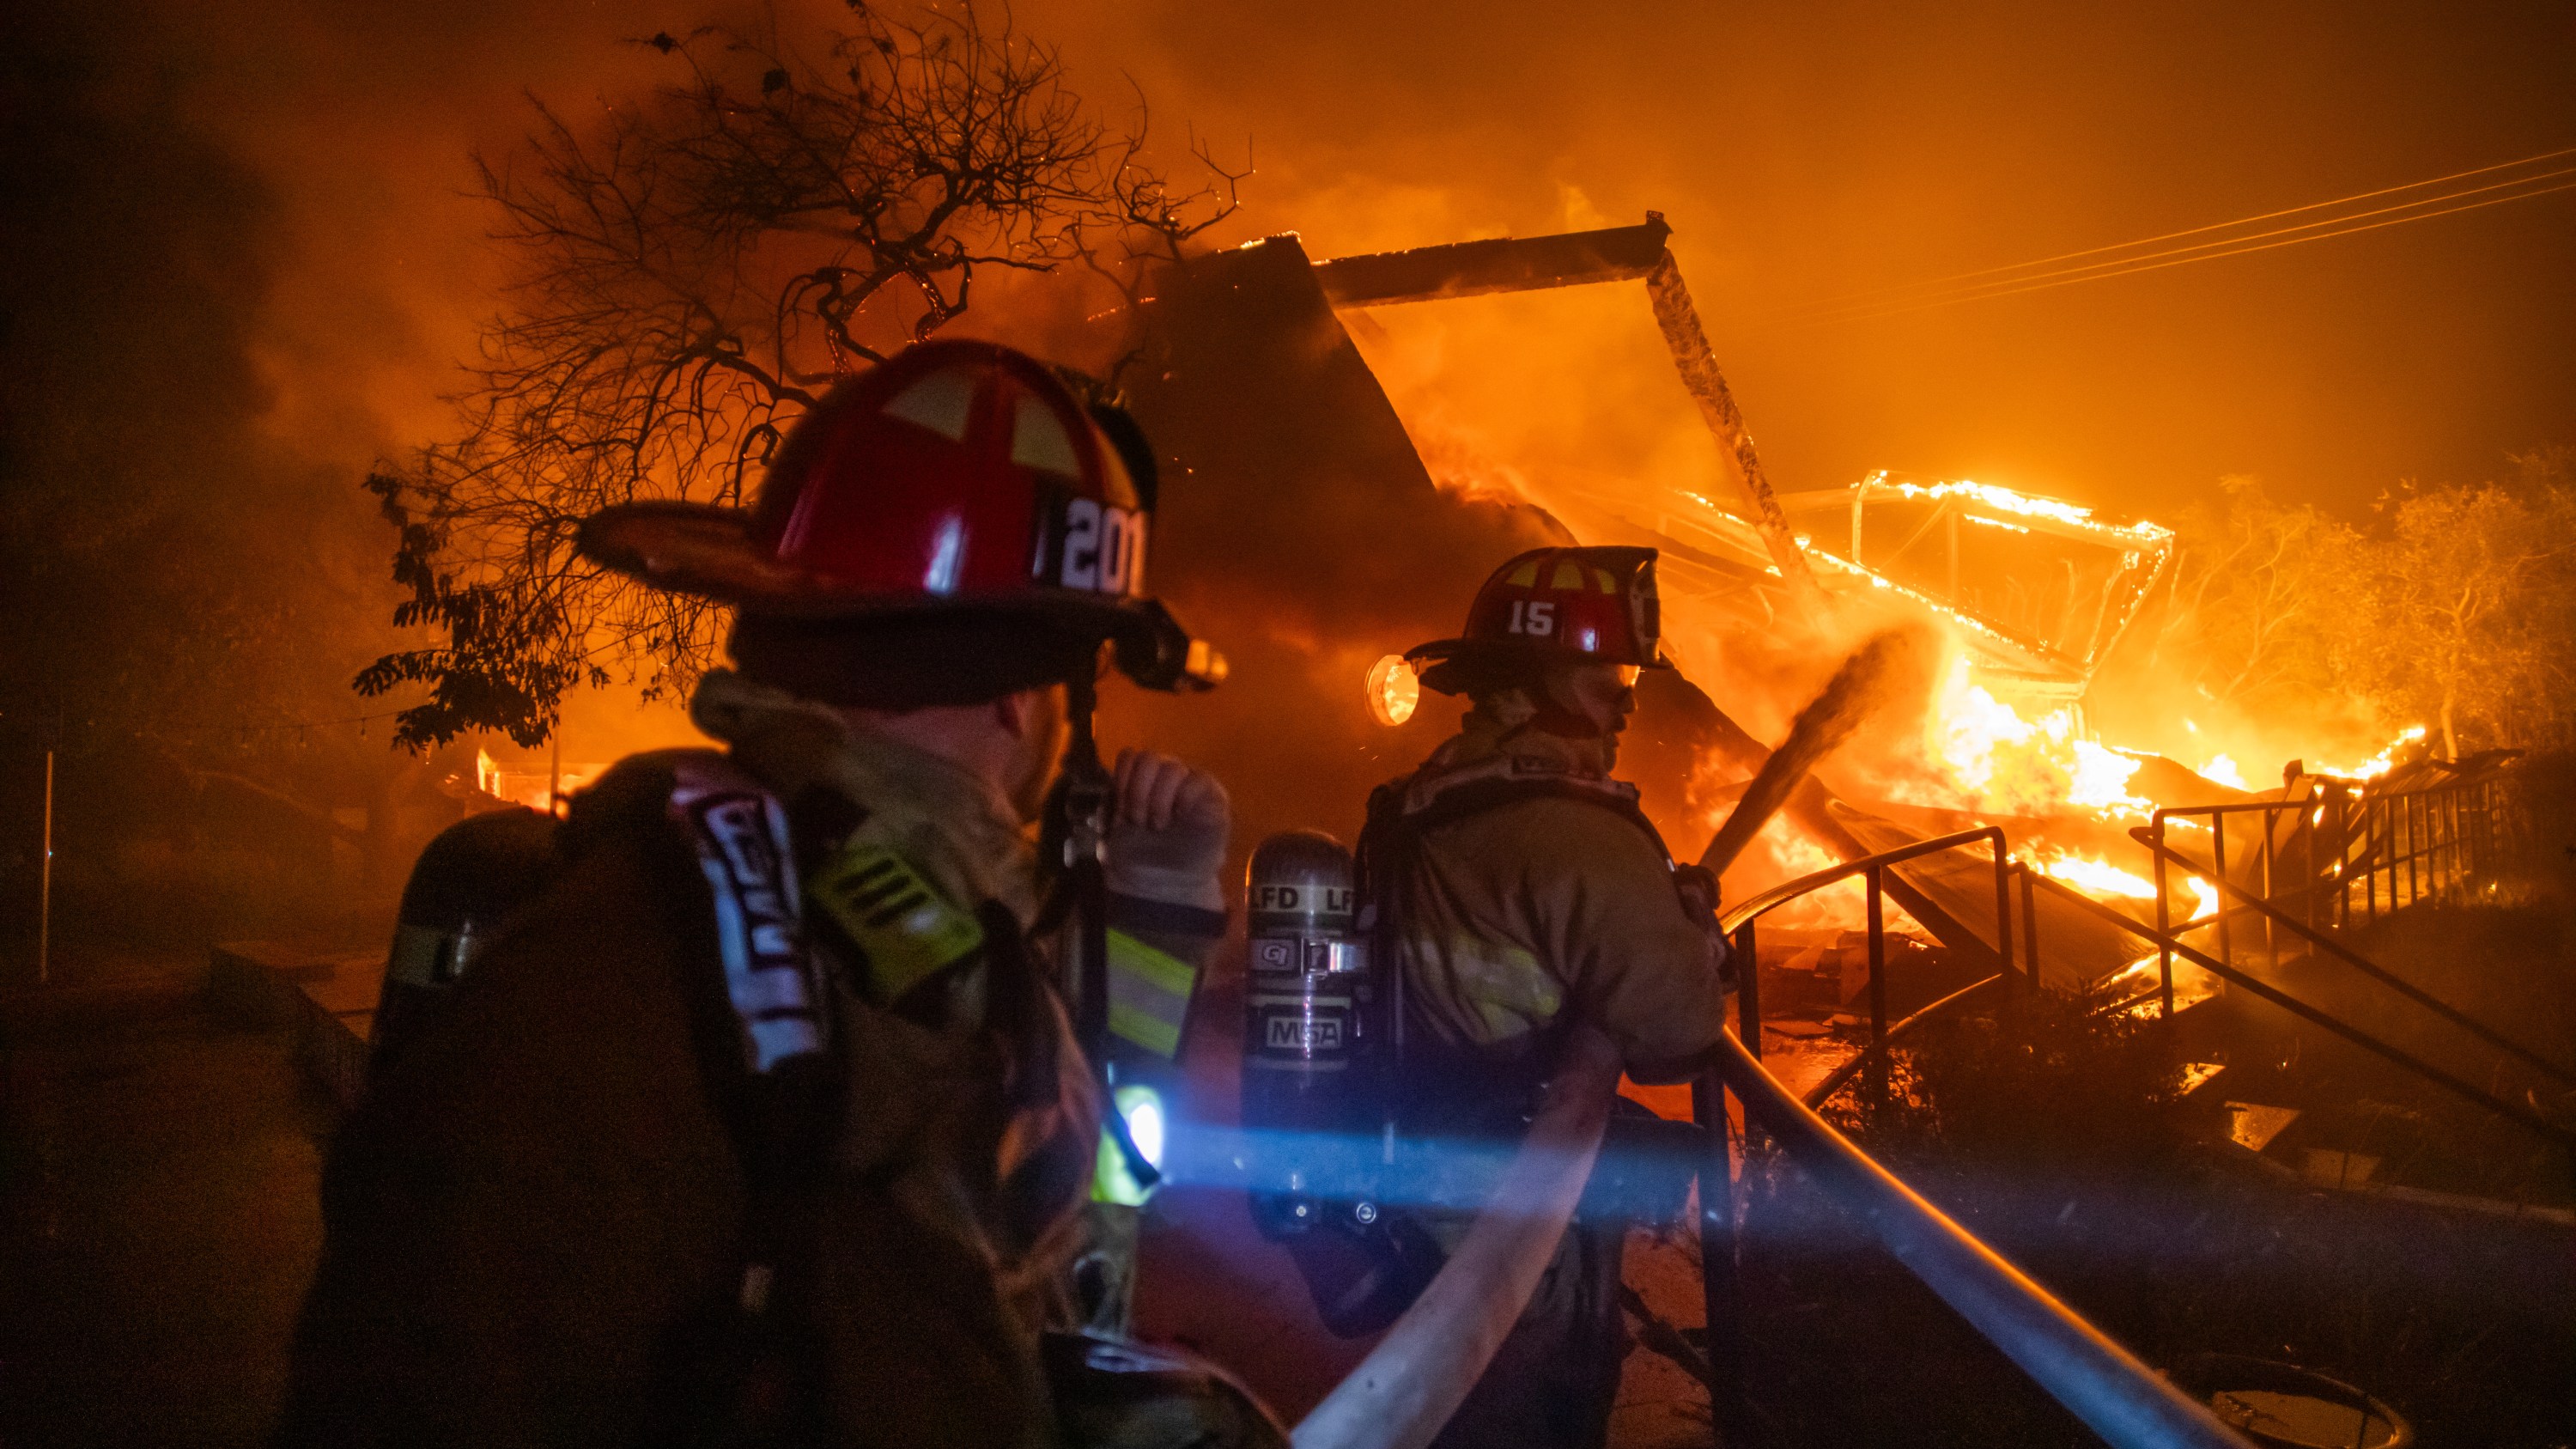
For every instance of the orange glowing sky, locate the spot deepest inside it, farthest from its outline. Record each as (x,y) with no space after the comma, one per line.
(1801,151)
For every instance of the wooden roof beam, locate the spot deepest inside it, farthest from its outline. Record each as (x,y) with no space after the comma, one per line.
(1503,264)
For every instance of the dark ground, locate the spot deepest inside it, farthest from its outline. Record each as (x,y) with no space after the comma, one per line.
(158,1218)
(158,1170)
(2463,1324)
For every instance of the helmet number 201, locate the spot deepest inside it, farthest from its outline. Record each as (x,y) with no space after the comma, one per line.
(1535,617)
(1104,548)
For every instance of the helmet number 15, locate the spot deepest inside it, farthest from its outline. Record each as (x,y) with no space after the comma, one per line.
(1535,617)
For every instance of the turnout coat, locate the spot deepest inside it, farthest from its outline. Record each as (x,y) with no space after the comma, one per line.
(1519,890)
(539,1218)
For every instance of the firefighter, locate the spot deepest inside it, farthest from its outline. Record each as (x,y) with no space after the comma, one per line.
(769,1119)
(1517,889)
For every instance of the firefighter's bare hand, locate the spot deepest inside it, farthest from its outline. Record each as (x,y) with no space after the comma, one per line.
(1167,831)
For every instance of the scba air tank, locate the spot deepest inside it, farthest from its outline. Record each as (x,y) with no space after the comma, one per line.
(1307,1003)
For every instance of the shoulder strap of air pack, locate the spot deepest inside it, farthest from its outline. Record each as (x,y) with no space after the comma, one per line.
(1402,812)
(1430,799)
(734,833)
(748,1371)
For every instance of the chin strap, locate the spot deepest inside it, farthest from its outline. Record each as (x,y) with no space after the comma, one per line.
(1082,793)
(1077,826)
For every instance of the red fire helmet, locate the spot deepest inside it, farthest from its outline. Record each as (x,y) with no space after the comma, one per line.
(1572,604)
(958,478)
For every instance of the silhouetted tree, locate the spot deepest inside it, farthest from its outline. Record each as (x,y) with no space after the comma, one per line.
(2455,607)
(2469,604)
(691,273)
(2260,590)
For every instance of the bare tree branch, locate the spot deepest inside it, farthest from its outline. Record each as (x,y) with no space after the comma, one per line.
(692,270)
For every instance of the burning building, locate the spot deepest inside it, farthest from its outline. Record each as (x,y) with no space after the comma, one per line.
(1310,529)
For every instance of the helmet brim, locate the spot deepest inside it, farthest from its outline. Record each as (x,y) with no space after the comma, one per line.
(1450,666)
(711,553)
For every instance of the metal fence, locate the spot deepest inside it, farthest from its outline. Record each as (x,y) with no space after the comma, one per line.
(1872,870)
(2103,1384)
(2338,854)
(2430,840)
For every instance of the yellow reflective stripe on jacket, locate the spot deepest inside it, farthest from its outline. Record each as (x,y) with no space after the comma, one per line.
(1149,994)
(907,929)
(1508,987)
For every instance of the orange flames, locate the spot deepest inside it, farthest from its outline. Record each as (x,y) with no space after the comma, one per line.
(2376,765)
(1987,759)
(534,789)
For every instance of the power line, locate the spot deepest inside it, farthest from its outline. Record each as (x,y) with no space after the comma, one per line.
(2231,245)
(1905,295)
(2207,251)
(1935,282)
(311,724)
(2042,286)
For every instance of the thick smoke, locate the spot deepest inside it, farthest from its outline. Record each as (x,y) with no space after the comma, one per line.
(186,591)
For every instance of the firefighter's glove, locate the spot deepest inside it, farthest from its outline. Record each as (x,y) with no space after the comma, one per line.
(1167,831)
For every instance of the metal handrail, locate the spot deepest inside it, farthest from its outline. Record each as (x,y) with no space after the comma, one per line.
(1739,924)
(2101,1383)
(2450,829)
(1841,1076)
(2518,1116)
(2368,967)
(1765,902)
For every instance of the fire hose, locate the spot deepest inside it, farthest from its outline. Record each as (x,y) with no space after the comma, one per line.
(1418,1375)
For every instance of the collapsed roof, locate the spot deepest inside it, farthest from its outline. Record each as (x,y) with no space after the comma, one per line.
(2047,588)
(1304,533)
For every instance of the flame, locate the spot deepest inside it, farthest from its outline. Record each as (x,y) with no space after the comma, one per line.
(1784,852)
(2102,778)
(1793,853)
(2006,500)
(2222,770)
(2096,876)
(2205,902)
(1993,759)
(2376,765)
(531,788)
(2191,984)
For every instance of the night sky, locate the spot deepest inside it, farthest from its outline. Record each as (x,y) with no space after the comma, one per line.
(1801,152)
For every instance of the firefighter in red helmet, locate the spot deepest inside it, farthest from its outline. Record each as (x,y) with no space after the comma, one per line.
(1516,891)
(775,1115)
